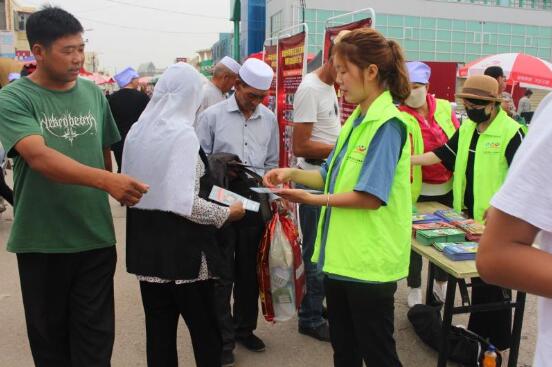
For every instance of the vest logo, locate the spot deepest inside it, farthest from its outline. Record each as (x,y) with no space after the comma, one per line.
(360,149)
(492,146)
(358,154)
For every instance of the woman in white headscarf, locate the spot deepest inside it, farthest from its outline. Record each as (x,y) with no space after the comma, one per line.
(171,244)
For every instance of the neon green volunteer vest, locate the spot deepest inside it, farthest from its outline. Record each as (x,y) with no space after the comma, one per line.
(443,113)
(363,244)
(490,163)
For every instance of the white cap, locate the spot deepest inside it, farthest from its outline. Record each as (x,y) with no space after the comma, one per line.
(231,64)
(257,74)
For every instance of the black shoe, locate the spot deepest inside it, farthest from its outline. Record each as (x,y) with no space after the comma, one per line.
(251,342)
(227,359)
(321,332)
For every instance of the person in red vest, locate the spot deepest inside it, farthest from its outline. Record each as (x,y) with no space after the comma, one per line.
(432,122)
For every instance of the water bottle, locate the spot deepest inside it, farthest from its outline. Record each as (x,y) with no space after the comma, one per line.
(489,358)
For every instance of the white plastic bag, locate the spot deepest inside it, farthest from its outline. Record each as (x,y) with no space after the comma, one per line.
(281,279)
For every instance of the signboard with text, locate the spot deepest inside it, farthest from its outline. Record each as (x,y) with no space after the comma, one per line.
(290,68)
(270,56)
(346,109)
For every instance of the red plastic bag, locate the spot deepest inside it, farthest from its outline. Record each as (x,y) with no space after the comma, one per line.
(280,267)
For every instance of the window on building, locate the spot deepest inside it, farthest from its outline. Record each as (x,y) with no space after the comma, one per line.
(276,23)
(20,20)
(3,25)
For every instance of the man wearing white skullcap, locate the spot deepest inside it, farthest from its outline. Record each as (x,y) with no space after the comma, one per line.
(127,104)
(241,125)
(225,73)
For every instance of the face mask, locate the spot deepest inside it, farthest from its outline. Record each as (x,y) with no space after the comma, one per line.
(478,116)
(417,97)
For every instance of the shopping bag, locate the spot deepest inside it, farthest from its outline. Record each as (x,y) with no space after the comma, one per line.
(280,267)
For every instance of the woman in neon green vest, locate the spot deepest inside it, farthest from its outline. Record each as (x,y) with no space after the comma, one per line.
(363,241)
(479,155)
(431,122)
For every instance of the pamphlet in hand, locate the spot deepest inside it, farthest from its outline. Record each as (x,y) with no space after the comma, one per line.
(226,197)
(276,190)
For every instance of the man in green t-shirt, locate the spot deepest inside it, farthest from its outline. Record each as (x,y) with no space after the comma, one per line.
(58,129)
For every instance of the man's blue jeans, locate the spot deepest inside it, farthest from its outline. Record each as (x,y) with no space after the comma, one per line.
(310,313)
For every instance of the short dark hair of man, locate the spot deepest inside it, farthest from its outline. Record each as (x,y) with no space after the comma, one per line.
(528,93)
(49,24)
(494,72)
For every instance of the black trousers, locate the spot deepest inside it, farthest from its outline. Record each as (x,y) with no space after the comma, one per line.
(5,190)
(69,307)
(414,279)
(239,246)
(494,325)
(163,306)
(117,149)
(361,318)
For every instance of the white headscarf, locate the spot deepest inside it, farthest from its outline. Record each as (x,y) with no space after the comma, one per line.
(162,148)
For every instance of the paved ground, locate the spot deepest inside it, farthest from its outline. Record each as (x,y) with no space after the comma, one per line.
(285,347)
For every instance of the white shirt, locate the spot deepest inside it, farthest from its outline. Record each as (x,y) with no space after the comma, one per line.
(527,194)
(222,128)
(316,102)
(211,96)
(524,105)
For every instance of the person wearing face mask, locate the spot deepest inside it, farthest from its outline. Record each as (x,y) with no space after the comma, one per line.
(431,123)
(480,154)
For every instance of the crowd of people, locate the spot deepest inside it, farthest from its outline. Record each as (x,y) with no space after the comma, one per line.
(197,259)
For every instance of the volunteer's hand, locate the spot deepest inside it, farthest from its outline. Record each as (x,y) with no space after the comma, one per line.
(125,189)
(277,176)
(237,212)
(296,196)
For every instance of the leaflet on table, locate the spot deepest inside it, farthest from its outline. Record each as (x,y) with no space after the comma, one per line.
(461,251)
(226,197)
(266,190)
(429,237)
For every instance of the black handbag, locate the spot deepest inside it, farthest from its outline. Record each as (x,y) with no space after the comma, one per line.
(227,171)
(464,346)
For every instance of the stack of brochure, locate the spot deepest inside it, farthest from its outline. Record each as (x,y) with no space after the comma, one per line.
(429,237)
(450,215)
(427,226)
(473,229)
(425,218)
(458,251)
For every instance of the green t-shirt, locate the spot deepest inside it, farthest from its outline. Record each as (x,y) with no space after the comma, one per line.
(50,217)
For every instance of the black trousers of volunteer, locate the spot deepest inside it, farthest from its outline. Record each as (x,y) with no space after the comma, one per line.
(69,307)
(164,303)
(495,325)
(361,318)
(414,279)
(239,246)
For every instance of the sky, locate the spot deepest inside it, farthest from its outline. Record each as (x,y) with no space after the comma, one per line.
(129,32)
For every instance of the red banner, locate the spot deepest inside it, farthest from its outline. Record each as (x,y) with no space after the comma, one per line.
(331,33)
(291,56)
(271,58)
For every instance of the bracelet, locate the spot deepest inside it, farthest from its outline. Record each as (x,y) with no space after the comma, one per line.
(327,200)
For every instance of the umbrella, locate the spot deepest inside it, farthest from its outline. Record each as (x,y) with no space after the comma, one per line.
(98,79)
(523,69)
